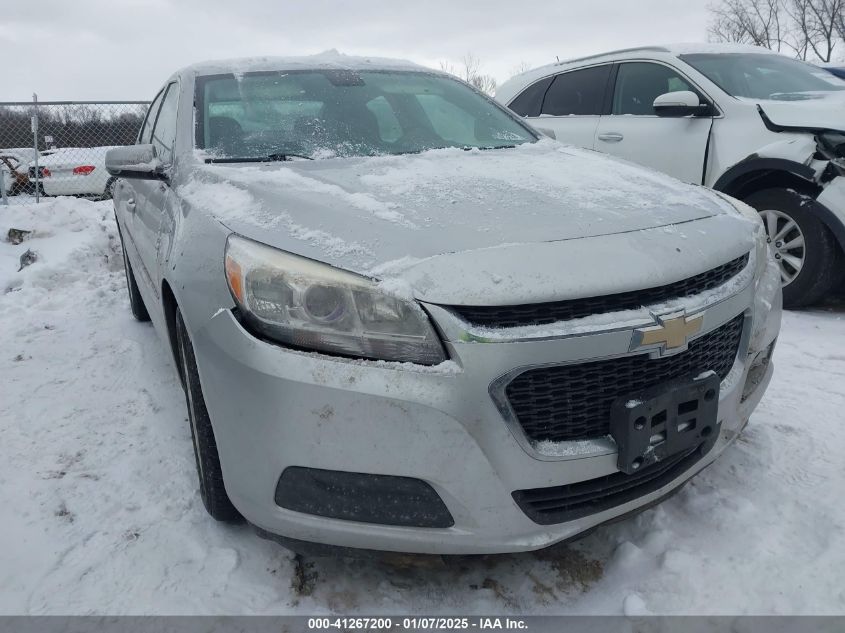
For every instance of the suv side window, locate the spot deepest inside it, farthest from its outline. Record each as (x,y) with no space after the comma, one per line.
(530,101)
(638,84)
(578,92)
(152,112)
(164,131)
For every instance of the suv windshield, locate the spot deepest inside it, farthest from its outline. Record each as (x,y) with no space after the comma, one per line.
(764,76)
(327,113)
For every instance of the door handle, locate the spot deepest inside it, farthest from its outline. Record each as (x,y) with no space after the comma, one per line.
(611,137)
(130,204)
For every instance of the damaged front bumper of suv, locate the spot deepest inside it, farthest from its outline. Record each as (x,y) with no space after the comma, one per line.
(818,157)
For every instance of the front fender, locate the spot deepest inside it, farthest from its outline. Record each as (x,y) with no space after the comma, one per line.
(831,207)
(735,177)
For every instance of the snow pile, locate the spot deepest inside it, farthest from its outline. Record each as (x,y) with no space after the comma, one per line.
(330,59)
(231,205)
(578,178)
(100,511)
(289,179)
(73,240)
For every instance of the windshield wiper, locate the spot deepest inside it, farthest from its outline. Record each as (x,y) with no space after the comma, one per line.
(465,148)
(269,158)
(486,147)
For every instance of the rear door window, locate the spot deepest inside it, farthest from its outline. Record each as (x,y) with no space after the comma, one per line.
(530,101)
(579,92)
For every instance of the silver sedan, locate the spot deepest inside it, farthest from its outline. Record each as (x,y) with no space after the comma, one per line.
(406,322)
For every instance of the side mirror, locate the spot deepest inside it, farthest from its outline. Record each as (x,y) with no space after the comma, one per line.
(134,161)
(547,132)
(680,104)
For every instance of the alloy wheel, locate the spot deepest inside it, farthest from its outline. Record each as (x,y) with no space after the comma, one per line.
(786,240)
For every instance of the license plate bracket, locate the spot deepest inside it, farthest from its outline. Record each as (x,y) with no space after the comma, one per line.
(673,417)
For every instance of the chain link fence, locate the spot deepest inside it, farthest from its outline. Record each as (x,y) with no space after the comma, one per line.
(58,148)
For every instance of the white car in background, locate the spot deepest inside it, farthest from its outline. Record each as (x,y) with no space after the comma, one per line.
(756,125)
(76,171)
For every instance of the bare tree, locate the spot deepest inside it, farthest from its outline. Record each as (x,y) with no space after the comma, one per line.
(817,22)
(807,28)
(469,70)
(840,26)
(757,22)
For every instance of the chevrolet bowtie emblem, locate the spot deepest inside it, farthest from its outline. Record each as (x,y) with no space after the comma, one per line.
(672,332)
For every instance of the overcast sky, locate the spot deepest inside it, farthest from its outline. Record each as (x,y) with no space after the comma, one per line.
(124,49)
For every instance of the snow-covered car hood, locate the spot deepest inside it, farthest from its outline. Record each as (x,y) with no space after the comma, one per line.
(820,111)
(445,218)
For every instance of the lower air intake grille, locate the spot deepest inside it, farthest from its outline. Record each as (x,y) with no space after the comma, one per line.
(572,402)
(567,503)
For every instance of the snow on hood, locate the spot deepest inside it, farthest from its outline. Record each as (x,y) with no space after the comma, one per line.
(823,110)
(479,226)
(360,213)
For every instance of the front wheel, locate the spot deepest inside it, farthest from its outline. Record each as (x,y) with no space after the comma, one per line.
(804,249)
(212,491)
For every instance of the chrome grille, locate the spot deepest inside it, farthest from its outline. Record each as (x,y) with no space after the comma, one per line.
(552,312)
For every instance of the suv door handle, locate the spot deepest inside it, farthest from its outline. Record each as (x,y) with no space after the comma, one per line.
(611,137)
(130,204)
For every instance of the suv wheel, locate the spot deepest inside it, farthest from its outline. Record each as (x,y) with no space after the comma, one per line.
(212,491)
(805,250)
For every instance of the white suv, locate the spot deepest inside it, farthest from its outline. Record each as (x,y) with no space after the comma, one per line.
(753,124)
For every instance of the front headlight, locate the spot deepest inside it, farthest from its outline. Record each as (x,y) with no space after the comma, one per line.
(309,305)
(831,146)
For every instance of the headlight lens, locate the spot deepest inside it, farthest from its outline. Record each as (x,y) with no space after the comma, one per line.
(831,145)
(306,304)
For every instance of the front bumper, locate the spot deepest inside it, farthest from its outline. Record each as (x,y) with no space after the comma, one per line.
(274,408)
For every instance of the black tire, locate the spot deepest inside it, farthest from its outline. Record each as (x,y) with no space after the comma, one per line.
(820,270)
(212,490)
(136,301)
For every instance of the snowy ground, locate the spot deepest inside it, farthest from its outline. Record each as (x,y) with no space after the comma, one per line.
(100,512)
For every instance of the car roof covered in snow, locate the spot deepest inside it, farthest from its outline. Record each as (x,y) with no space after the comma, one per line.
(515,84)
(331,59)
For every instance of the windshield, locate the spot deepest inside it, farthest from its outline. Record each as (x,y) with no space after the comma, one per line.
(322,114)
(764,76)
